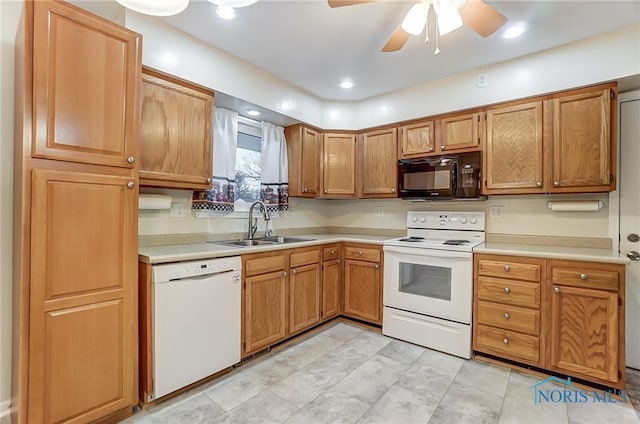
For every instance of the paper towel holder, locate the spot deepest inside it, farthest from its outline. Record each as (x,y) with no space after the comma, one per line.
(578,205)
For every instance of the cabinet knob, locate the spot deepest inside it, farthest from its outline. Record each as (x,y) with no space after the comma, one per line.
(131,184)
(326,190)
(506,316)
(333,252)
(443,147)
(360,252)
(131,159)
(209,179)
(284,274)
(338,260)
(556,289)
(507,290)
(556,183)
(505,341)
(293,272)
(305,190)
(431,149)
(584,277)
(393,190)
(539,184)
(507,268)
(377,266)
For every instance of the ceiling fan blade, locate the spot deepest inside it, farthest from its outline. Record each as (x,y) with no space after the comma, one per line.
(397,40)
(481,17)
(340,3)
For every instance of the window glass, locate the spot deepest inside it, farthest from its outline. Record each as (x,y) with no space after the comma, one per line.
(248,169)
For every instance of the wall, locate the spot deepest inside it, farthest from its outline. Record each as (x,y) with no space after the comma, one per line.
(521,215)
(9,17)
(304,213)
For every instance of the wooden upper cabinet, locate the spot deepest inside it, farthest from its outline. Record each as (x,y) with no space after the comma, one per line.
(459,132)
(86,74)
(416,139)
(303,150)
(378,165)
(513,156)
(339,165)
(584,141)
(82,316)
(175,136)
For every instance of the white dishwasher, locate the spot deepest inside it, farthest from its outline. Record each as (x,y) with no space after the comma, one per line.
(196,321)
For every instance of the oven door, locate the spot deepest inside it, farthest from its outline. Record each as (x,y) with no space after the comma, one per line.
(438,283)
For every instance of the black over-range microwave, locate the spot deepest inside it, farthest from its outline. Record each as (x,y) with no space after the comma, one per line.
(452,176)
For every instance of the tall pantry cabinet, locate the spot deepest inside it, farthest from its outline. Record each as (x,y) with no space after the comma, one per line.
(75,216)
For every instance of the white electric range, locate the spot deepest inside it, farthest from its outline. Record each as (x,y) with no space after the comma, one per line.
(428,280)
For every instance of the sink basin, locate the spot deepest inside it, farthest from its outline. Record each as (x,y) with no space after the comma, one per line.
(261,241)
(243,243)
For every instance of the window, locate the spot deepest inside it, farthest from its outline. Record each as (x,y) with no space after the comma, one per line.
(248,163)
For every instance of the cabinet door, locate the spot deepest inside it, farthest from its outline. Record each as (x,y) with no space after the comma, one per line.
(175,134)
(459,132)
(584,332)
(265,307)
(582,141)
(86,74)
(304,297)
(362,291)
(310,163)
(331,289)
(379,164)
(83,323)
(417,139)
(513,154)
(339,159)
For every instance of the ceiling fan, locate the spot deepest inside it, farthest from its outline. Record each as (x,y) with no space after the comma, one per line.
(450,14)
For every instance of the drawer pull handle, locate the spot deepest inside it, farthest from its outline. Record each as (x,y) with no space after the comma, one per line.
(507,268)
(333,252)
(584,277)
(507,290)
(360,252)
(284,274)
(505,341)
(506,316)
(293,272)
(556,289)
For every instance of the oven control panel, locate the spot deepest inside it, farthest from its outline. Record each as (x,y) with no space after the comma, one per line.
(446,220)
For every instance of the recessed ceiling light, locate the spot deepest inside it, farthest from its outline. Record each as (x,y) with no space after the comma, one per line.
(514,31)
(253,112)
(346,84)
(226,12)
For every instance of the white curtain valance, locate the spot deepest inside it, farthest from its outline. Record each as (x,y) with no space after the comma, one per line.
(274,189)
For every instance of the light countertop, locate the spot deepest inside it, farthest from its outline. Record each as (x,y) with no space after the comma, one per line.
(195,251)
(552,252)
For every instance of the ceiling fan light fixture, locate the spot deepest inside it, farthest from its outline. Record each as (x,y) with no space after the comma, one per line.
(226,12)
(449,21)
(233,3)
(416,19)
(155,7)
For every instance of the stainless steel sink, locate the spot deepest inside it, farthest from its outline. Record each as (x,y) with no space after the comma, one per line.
(261,241)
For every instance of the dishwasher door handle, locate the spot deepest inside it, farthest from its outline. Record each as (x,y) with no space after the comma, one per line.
(199,277)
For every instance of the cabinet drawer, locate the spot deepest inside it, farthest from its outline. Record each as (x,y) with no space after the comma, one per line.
(330,253)
(510,292)
(499,341)
(504,269)
(305,258)
(262,265)
(362,254)
(591,278)
(509,317)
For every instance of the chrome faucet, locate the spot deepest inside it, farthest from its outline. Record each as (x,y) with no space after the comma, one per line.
(253,222)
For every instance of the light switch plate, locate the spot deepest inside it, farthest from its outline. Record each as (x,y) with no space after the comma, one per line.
(177,210)
(496,212)
(379,211)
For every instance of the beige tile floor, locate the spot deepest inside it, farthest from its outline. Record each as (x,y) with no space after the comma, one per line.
(348,374)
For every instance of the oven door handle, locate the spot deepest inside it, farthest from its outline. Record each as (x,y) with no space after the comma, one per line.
(433,253)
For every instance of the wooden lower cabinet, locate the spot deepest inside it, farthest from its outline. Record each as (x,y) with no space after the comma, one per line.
(363,291)
(331,289)
(570,322)
(304,297)
(265,309)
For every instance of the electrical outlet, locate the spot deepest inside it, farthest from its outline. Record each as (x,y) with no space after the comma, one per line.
(496,212)
(379,211)
(177,210)
(483,81)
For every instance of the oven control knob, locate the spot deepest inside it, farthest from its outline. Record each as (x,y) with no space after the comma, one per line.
(473,220)
(423,219)
(414,219)
(463,220)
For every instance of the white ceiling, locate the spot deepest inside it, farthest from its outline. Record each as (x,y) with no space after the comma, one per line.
(314,47)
